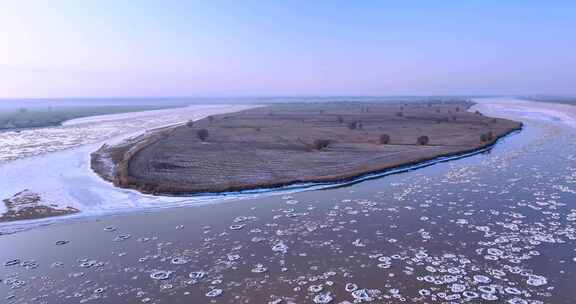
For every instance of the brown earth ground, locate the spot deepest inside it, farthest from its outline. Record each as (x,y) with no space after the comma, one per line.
(274,145)
(26,205)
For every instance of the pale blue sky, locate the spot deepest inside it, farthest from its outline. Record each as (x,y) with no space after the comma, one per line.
(58,48)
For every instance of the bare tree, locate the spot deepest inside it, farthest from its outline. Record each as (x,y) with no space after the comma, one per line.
(202,134)
(384,139)
(320,144)
(423,140)
(486,137)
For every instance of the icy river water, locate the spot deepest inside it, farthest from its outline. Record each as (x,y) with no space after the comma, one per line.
(496,227)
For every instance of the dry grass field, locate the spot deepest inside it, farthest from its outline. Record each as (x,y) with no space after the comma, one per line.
(285,144)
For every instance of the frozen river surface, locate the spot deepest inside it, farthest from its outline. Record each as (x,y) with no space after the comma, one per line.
(497,227)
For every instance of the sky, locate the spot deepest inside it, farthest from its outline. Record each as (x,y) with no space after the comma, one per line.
(109,48)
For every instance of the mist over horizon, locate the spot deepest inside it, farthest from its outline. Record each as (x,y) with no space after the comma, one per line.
(249,48)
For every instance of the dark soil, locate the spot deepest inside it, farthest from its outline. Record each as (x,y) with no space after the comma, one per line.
(27,205)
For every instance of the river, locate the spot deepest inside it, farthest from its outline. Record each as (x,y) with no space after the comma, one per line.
(498,227)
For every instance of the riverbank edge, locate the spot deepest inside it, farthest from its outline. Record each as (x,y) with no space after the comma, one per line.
(408,166)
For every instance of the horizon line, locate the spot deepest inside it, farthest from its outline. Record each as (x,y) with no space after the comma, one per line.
(286,96)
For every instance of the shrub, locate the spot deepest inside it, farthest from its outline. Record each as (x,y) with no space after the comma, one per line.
(400,114)
(320,144)
(423,140)
(485,137)
(340,119)
(202,134)
(190,123)
(355,125)
(490,135)
(384,139)
(211,119)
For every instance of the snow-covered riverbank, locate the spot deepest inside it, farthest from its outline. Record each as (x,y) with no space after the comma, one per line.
(55,162)
(523,109)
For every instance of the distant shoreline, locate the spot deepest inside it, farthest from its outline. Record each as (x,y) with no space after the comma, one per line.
(60,114)
(34,118)
(559,100)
